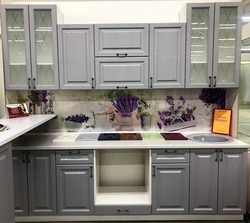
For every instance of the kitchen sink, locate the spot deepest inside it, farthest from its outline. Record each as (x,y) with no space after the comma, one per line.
(209,137)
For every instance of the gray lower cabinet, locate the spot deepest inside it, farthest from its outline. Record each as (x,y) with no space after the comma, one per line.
(75,189)
(123,210)
(170,188)
(6,185)
(38,171)
(76,56)
(167,55)
(218,181)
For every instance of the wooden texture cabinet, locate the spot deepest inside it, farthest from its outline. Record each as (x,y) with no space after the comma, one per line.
(30,46)
(217,25)
(170,182)
(218,180)
(76,56)
(75,183)
(121,56)
(35,189)
(6,185)
(167,55)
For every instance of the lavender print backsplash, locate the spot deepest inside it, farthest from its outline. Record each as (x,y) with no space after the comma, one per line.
(169,109)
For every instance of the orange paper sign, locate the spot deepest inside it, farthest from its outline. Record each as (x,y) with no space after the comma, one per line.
(222,121)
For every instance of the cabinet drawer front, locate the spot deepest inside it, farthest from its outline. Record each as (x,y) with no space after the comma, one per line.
(121,39)
(123,210)
(74,157)
(121,73)
(170,156)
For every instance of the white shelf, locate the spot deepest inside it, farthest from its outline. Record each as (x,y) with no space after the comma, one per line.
(122,195)
(44,30)
(45,64)
(17,64)
(15,30)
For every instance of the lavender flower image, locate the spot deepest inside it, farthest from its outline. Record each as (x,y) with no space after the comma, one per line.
(77,118)
(213,96)
(176,113)
(125,104)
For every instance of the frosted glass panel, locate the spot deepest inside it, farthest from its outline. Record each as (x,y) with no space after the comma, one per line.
(226,49)
(16,45)
(199,44)
(44,47)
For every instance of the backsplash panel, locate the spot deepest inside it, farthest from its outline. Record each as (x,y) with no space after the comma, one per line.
(183,109)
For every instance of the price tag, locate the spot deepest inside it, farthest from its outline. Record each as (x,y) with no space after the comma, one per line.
(222,121)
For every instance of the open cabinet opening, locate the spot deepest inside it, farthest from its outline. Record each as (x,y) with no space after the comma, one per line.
(122,177)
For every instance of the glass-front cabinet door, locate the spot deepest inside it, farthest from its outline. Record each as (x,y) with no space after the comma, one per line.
(16,47)
(30,46)
(199,54)
(43,37)
(227,44)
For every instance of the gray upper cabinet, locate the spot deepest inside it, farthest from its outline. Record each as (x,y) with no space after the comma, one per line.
(121,73)
(121,56)
(6,185)
(203,181)
(170,189)
(232,181)
(217,25)
(167,53)
(218,181)
(30,46)
(20,183)
(76,56)
(121,40)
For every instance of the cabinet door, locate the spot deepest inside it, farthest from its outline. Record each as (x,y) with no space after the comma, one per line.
(16,46)
(167,51)
(43,37)
(76,56)
(227,44)
(232,181)
(120,73)
(121,40)
(170,189)
(41,182)
(75,193)
(20,182)
(203,181)
(199,55)
(6,185)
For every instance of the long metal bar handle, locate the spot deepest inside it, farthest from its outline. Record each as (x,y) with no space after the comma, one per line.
(29,84)
(91,171)
(221,155)
(122,87)
(24,156)
(210,81)
(92,81)
(216,159)
(214,81)
(119,210)
(153,171)
(151,82)
(28,156)
(34,83)
(74,152)
(121,54)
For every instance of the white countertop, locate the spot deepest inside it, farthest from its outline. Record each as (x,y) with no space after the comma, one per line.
(19,126)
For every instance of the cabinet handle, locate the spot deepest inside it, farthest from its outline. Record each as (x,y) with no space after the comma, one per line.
(214,81)
(210,81)
(153,171)
(91,171)
(216,159)
(221,155)
(92,81)
(74,152)
(121,54)
(171,151)
(28,156)
(34,83)
(29,85)
(23,157)
(122,87)
(119,210)
(151,82)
